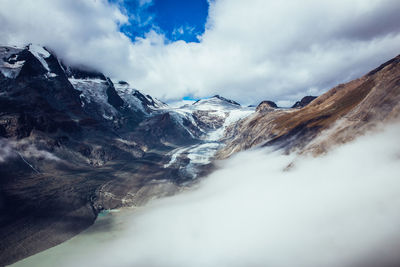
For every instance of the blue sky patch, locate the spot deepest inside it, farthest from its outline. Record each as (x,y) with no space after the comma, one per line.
(190,98)
(176,19)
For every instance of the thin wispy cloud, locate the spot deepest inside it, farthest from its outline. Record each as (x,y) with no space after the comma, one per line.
(10,149)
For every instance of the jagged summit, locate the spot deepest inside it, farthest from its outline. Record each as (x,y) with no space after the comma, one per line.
(215,102)
(227,100)
(266,105)
(83,73)
(304,101)
(31,60)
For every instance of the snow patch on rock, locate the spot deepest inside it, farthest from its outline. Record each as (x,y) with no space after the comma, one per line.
(10,66)
(94,91)
(41,54)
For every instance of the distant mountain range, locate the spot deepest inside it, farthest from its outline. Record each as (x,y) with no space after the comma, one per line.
(73,142)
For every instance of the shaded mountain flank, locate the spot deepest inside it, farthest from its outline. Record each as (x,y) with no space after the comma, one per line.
(338,116)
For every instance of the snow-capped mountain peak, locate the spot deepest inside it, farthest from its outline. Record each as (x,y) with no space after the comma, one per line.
(136,99)
(212,115)
(13,58)
(41,54)
(215,103)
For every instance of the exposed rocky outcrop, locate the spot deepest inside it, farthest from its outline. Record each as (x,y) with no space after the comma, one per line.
(220,98)
(304,101)
(112,96)
(208,120)
(266,106)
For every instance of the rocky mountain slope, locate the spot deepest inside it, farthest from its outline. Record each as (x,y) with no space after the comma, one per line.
(73,143)
(338,116)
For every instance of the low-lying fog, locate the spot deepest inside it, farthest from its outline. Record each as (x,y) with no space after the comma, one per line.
(342,209)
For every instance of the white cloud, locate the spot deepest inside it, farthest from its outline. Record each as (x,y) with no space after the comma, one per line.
(23,148)
(145,2)
(338,210)
(6,150)
(182,30)
(83,32)
(270,49)
(279,50)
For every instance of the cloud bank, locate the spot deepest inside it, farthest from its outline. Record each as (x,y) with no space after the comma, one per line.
(278,50)
(333,211)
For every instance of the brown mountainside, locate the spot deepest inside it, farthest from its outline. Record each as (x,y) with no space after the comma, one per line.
(343,113)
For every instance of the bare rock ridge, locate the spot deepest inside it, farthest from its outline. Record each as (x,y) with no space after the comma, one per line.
(266,105)
(343,113)
(220,98)
(304,101)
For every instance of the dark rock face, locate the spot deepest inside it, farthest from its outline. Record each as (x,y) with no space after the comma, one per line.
(123,83)
(207,121)
(266,106)
(32,66)
(304,102)
(113,98)
(163,129)
(227,100)
(33,101)
(147,100)
(82,73)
